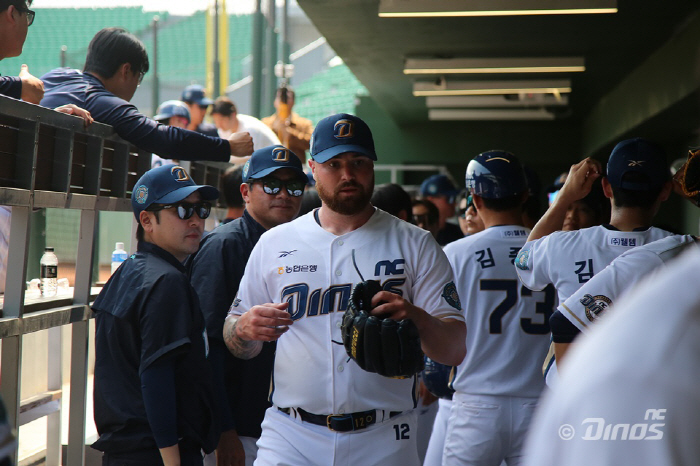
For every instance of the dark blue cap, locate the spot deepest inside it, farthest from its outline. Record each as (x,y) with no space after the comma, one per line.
(268,159)
(166,185)
(495,174)
(171,108)
(340,133)
(195,94)
(638,156)
(438,185)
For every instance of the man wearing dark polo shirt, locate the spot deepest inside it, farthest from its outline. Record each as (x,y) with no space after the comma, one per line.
(154,395)
(273,184)
(115,65)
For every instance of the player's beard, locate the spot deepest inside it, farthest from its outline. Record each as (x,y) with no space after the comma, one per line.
(342,204)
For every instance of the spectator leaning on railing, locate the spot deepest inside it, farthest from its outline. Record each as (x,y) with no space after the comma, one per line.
(115,65)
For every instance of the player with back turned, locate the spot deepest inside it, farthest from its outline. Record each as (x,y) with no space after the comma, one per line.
(498,383)
(326,409)
(637,182)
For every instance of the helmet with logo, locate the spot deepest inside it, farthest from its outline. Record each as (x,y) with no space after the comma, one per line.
(495,174)
(171,108)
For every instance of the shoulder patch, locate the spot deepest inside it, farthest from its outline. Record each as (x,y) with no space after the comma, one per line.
(521,259)
(449,292)
(595,305)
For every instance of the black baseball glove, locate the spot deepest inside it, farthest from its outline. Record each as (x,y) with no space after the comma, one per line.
(380,344)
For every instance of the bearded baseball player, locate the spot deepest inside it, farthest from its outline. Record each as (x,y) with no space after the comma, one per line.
(301,285)
(637,182)
(498,384)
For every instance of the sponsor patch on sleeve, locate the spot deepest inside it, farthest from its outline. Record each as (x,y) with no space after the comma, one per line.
(449,292)
(521,260)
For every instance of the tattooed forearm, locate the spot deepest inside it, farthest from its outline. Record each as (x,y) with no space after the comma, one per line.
(244,349)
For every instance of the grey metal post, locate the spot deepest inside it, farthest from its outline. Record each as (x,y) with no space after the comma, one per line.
(271,57)
(64,49)
(217,64)
(155,95)
(79,341)
(257,60)
(285,52)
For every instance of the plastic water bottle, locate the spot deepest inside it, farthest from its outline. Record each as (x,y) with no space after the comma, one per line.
(49,273)
(118,256)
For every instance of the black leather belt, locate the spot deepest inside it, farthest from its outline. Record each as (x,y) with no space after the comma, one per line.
(341,422)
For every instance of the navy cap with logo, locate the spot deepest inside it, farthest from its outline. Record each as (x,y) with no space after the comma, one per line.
(195,94)
(268,159)
(645,159)
(340,133)
(166,185)
(171,108)
(439,185)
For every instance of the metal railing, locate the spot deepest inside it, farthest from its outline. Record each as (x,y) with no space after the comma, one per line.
(49,160)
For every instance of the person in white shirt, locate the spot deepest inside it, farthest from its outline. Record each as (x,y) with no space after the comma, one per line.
(229,121)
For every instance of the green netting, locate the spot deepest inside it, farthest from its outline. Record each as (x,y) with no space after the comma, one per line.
(181,41)
(331,91)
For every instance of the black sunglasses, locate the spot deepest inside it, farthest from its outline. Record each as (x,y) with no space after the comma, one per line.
(272,186)
(185,210)
(30,15)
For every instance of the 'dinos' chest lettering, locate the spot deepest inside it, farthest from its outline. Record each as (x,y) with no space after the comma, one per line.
(305,302)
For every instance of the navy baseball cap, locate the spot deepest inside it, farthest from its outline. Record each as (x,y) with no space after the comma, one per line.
(638,156)
(171,108)
(268,159)
(166,185)
(340,133)
(194,93)
(438,185)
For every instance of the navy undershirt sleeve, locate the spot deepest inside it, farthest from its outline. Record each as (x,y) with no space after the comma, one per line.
(563,331)
(159,399)
(11,86)
(217,358)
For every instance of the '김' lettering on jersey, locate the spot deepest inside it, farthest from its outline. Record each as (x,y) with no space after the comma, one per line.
(485,258)
(449,292)
(522,259)
(584,270)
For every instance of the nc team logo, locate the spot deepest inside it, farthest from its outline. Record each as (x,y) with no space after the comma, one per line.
(595,305)
(344,129)
(179,174)
(449,292)
(141,194)
(280,154)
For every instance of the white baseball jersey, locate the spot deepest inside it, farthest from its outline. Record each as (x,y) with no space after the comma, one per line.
(592,300)
(631,383)
(568,259)
(507,324)
(312,269)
